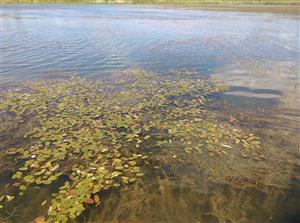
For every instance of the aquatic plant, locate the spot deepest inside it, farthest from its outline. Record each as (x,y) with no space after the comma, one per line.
(96,135)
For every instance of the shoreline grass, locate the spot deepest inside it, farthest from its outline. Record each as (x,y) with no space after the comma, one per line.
(161,2)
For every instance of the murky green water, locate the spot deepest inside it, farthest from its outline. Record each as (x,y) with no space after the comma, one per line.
(136,146)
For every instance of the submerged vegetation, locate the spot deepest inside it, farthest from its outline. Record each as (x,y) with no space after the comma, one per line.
(85,137)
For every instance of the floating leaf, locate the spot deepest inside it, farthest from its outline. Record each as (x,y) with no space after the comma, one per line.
(132,163)
(29,179)
(22,187)
(88,200)
(119,167)
(9,198)
(17,175)
(132,179)
(97,199)
(40,219)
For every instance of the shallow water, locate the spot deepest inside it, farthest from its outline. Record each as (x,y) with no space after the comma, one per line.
(256,54)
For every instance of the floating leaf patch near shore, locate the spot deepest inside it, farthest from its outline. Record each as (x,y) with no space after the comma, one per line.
(97,135)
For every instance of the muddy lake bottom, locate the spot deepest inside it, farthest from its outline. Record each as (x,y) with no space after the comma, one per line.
(147,114)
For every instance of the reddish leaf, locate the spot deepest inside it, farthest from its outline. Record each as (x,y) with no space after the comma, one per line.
(88,200)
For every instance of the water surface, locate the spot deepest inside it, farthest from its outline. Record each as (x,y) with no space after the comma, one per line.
(256,54)
(98,40)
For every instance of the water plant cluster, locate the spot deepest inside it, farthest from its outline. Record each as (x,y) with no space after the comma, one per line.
(88,136)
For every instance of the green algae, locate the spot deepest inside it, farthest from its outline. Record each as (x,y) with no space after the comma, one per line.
(97,135)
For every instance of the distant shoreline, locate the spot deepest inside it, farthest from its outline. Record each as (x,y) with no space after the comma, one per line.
(290,9)
(282,9)
(163,2)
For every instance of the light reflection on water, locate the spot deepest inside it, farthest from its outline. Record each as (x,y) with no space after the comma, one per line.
(252,50)
(98,40)
(256,54)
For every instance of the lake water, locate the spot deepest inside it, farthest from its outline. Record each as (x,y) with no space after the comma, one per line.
(256,54)
(98,40)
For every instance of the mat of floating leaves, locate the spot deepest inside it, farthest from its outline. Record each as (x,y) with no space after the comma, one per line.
(91,134)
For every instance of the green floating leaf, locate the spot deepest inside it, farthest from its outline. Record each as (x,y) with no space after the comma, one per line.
(131,180)
(132,163)
(9,198)
(17,175)
(22,187)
